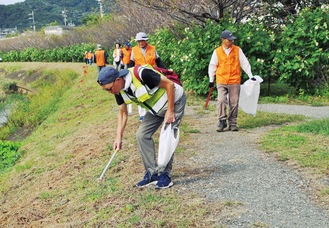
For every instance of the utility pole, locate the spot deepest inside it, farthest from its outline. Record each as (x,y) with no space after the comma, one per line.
(64,15)
(100,7)
(32,18)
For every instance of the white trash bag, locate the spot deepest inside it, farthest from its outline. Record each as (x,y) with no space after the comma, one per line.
(249,94)
(168,142)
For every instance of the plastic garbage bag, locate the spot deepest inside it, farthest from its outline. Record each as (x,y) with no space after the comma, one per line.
(168,141)
(249,94)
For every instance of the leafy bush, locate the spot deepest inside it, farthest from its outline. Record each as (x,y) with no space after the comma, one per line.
(303,54)
(8,154)
(74,53)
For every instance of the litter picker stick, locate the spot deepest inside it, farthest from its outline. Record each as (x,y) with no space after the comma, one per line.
(208,98)
(107,166)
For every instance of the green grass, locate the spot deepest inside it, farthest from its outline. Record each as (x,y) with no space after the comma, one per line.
(282,93)
(266,119)
(307,143)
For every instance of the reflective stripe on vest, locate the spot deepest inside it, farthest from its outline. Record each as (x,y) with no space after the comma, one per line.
(155,99)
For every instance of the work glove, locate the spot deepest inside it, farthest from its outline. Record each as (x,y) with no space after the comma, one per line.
(211,85)
(253,78)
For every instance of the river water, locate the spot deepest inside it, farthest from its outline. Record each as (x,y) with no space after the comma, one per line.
(4,114)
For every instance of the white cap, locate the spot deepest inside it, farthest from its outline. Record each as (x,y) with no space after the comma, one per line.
(99,46)
(141,36)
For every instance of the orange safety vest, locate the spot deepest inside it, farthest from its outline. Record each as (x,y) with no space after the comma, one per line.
(150,55)
(100,60)
(126,55)
(89,55)
(228,68)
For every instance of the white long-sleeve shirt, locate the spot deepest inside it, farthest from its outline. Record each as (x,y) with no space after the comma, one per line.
(244,63)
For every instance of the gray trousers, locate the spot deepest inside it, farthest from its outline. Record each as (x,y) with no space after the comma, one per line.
(228,95)
(147,128)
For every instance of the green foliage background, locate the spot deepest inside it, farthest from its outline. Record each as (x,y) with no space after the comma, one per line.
(295,52)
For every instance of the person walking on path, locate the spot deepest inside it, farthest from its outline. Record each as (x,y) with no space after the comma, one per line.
(86,57)
(126,54)
(90,57)
(226,63)
(117,55)
(144,53)
(100,58)
(166,101)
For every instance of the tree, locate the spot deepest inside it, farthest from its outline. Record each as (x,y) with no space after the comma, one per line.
(198,11)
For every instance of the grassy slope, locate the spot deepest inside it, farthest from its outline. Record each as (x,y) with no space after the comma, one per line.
(55,181)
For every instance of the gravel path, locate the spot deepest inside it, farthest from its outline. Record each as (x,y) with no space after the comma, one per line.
(309,111)
(229,169)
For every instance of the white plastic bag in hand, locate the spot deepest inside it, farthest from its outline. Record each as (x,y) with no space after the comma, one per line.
(168,142)
(249,94)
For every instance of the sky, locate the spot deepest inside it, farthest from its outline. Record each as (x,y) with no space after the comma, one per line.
(8,2)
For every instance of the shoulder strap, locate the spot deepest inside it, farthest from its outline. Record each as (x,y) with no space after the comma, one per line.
(137,75)
(136,72)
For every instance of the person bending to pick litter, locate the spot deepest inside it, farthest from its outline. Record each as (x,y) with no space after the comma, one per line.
(165,102)
(226,63)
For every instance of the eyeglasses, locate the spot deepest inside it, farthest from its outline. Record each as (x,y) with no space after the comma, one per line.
(109,89)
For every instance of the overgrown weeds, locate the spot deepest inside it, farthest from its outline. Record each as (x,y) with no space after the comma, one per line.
(35,108)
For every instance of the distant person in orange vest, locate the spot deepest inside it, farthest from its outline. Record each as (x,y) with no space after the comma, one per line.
(126,54)
(100,58)
(117,55)
(86,57)
(143,54)
(90,57)
(226,63)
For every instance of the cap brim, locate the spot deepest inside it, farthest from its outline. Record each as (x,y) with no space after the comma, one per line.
(141,39)
(232,38)
(123,72)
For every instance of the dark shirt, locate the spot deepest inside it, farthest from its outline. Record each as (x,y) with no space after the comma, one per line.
(148,77)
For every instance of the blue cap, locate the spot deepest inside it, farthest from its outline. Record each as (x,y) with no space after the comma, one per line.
(109,74)
(128,44)
(228,35)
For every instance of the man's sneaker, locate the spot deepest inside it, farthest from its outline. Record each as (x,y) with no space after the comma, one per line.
(147,180)
(233,128)
(222,125)
(164,181)
(141,118)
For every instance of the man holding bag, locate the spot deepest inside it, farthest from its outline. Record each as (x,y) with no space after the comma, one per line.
(226,63)
(165,102)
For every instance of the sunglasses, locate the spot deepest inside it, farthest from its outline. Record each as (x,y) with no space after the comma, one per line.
(110,89)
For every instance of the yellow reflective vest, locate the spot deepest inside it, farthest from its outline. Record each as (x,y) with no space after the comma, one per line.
(155,99)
